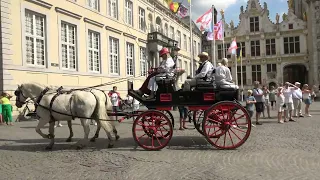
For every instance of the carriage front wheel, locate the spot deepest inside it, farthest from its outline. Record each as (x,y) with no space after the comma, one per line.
(152,130)
(226,125)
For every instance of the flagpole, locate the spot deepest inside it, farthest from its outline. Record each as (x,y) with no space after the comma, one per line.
(191,40)
(241,72)
(223,22)
(213,43)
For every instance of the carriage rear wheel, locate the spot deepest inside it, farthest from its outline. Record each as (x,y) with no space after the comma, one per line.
(226,125)
(152,130)
(197,120)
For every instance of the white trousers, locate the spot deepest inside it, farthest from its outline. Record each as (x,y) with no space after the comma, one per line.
(297,106)
(189,83)
(152,85)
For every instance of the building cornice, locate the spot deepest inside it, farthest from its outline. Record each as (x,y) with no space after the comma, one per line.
(113,30)
(93,22)
(41,3)
(68,13)
(129,36)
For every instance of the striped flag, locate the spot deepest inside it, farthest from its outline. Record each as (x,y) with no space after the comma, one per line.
(174,7)
(218,32)
(205,21)
(233,47)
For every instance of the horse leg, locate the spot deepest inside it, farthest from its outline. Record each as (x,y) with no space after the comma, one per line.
(71,132)
(51,135)
(86,129)
(115,132)
(108,128)
(96,135)
(41,124)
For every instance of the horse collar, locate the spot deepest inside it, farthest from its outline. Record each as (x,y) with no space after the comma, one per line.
(41,95)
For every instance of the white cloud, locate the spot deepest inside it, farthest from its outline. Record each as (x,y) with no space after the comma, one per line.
(199,7)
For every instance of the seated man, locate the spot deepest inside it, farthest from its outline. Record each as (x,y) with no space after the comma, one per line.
(165,69)
(223,74)
(204,72)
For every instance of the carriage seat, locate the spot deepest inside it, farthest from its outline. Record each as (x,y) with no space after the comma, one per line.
(212,85)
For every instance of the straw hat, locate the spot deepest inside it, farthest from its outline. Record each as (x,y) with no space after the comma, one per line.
(203,54)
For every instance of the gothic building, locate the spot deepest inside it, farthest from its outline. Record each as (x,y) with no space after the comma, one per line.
(273,51)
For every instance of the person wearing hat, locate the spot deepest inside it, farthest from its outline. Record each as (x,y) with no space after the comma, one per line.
(204,72)
(288,101)
(165,69)
(297,100)
(223,74)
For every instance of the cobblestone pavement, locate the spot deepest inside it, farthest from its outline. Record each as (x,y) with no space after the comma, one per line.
(273,151)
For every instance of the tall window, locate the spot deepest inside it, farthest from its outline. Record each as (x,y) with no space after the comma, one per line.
(130,59)
(226,47)
(199,48)
(171,32)
(255,48)
(254,24)
(186,69)
(185,43)
(270,47)
(93,4)
(128,12)
(68,45)
(244,75)
(179,38)
(194,48)
(142,19)
(189,42)
(94,51)
(291,45)
(143,61)
(166,29)
(180,65)
(241,45)
(272,71)
(35,35)
(256,73)
(113,8)
(220,51)
(114,55)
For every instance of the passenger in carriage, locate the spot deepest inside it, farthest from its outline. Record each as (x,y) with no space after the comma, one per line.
(204,72)
(222,73)
(166,68)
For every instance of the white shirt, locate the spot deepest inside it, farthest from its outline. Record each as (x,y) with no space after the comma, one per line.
(223,74)
(280,99)
(167,65)
(306,95)
(114,99)
(206,70)
(288,94)
(297,94)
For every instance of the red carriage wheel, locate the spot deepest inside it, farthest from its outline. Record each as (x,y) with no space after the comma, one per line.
(198,119)
(152,130)
(226,125)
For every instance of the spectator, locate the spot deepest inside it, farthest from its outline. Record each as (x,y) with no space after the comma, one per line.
(297,100)
(183,112)
(1,120)
(306,96)
(258,95)
(288,101)
(272,97)
(280,104)
(6,108)
(250,101)
(266,93)
(115,99)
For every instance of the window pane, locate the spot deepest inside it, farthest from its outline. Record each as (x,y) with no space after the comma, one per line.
(253,67)
(297,46)
(268,68)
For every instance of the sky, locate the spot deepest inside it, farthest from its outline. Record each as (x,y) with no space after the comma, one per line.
(232,8)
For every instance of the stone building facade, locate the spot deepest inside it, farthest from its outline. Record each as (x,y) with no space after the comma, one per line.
(273,51)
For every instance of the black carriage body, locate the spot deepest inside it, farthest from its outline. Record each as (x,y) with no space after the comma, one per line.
(168,96)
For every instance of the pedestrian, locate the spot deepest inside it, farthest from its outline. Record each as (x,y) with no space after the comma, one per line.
(297,100)
(280,105)
(287,92)
(6,108)
(115,99)
(258,95)
(58,124)
(250,101)
(183,112)
(266,93)
(1,120)
(272,97)
(306,96)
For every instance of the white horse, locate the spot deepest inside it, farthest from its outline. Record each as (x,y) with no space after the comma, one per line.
(65,107)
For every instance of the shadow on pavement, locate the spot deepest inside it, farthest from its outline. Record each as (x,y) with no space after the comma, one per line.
(123,144)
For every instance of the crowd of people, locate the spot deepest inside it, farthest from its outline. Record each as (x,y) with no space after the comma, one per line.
(287,99)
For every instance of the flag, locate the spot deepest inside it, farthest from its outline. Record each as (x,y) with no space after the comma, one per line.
(183,11)
(233,47)
(205,21)
(189,1)
(174,6)
(218,32)
(240,54)
(168,2)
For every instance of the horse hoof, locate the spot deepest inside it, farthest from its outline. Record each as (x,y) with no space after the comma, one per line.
(69,140)
(93,140)
(110,145)
(117,137)
(79,147)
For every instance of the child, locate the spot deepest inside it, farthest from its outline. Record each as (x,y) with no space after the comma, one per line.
(280,104)
(6,108)
(1,121)
(250,101)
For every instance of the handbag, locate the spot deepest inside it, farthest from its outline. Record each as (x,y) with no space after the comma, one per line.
(284,106)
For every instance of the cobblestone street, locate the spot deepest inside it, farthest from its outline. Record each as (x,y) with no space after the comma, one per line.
(273,151)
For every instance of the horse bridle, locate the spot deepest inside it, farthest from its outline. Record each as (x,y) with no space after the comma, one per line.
(19,92)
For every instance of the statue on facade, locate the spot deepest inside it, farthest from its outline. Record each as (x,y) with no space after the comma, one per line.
(253,5)
(284,16)
(241,9)
(277,18)
(222,13)
(265,6)
(232,24)
(290,4)
(305,17)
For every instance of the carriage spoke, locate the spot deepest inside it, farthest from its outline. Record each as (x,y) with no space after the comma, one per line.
(230,138)
(235,134)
